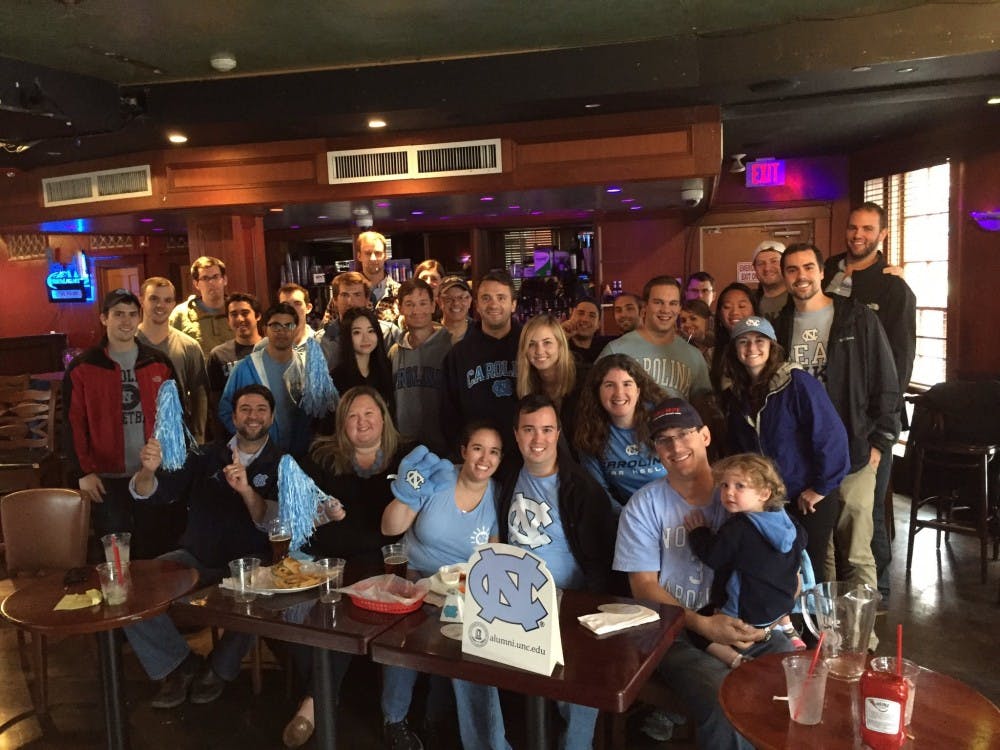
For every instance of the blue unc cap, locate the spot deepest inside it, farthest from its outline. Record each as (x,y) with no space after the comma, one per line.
(754,324)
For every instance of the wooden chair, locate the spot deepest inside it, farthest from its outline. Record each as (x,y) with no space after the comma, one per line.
(27,437)
(955,444)
(18,382)
(46,531)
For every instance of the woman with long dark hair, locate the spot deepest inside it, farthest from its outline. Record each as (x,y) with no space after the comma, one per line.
(734,304)
(362,358)
(784,413)
(612,433)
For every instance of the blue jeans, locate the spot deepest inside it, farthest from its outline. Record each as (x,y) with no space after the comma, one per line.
(397,691)
(480,719)
(161,648)
(696,676)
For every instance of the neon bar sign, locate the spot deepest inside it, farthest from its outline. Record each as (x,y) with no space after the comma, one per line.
(71,283)
(766,173)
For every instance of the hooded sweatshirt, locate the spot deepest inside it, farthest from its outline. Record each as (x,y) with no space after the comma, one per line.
(756,559)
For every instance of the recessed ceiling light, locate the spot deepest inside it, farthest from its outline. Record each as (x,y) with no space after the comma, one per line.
(276,210)
(993,100)
(861,68)
(177,138)
(592,105)
(614,189)
(634,208)
(223,61)
(416,213)
(486,198)
(322,216)
(376,122)
(905,70)
(146,220)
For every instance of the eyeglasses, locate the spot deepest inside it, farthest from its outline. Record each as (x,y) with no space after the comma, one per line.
(281,326)
(666,441)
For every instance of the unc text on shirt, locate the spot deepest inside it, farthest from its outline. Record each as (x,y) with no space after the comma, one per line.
(502,368)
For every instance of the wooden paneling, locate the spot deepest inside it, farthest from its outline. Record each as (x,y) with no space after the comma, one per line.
(252,174)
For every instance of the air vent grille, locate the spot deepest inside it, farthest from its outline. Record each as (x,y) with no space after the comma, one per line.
(415,162)
(90,187)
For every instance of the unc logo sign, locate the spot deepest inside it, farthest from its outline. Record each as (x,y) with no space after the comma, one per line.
(527,521)
(632,450)
(502,388)
(503,586)
(415,479)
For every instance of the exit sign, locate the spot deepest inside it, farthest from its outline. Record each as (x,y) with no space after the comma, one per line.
(766,173)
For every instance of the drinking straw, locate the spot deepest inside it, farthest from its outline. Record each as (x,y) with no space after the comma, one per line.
(118,557)
(812,669)
(899,649)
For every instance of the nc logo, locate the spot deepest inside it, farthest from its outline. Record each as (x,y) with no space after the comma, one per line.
(632,450)
(502,388)
(503,587)
(415,479)
(527,522)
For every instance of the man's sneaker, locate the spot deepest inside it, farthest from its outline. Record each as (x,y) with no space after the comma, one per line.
(399,736)
(174,687)
(208,686)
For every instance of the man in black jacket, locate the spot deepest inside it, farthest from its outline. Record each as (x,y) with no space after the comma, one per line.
(841,342)
(227,486)
(862,273)
(550,505)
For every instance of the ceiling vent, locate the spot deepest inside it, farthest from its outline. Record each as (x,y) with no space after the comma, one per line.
(415,162)
(90,187)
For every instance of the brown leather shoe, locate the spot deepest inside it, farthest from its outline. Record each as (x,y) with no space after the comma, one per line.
(297,732)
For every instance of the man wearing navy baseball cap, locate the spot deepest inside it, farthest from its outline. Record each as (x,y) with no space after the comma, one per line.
(652,549)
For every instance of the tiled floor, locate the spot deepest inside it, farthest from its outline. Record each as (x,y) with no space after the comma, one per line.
(950,622)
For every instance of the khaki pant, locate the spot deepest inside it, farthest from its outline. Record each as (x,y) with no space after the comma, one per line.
(851,545)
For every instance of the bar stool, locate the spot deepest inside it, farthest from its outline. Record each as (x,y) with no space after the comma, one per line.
(961,466)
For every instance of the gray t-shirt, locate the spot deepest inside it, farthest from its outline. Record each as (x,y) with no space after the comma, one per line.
(810,337)
(769,307)
(132,417)
(677,367)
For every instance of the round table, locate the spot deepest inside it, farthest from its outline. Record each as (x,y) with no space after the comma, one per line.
(946,712)
(155,583)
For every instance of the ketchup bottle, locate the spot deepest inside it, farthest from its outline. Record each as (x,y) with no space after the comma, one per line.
(883,709)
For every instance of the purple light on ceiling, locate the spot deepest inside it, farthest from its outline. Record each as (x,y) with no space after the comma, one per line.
(536,213)
(634,208)
(628,200)
(146,220)
(614,189)
(486,198)
(158,229)
(294,226)
(416,213)
(382,204)
(513,208)
(322,216)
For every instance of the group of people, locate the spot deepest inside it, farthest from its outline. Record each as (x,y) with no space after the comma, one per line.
(608,477)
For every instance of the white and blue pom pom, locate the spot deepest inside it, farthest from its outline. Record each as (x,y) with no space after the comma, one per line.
(319,394)
(170,429)
(298,497)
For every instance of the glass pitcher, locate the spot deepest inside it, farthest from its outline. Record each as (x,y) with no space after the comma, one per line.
(846,613)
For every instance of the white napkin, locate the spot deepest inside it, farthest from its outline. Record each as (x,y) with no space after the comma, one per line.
(230,584)
(614,617)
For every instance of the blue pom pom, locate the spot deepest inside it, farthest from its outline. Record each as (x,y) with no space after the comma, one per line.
(298,497)
(319,394)
(170,429)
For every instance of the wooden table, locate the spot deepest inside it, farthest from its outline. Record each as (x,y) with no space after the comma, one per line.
(946,713)
(294,618)
(606,672)
(155,583)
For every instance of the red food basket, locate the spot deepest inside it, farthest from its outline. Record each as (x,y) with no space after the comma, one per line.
(391,608)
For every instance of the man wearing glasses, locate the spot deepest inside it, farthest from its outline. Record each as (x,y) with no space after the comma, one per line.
(203,317)
(652,549)
(291,430)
